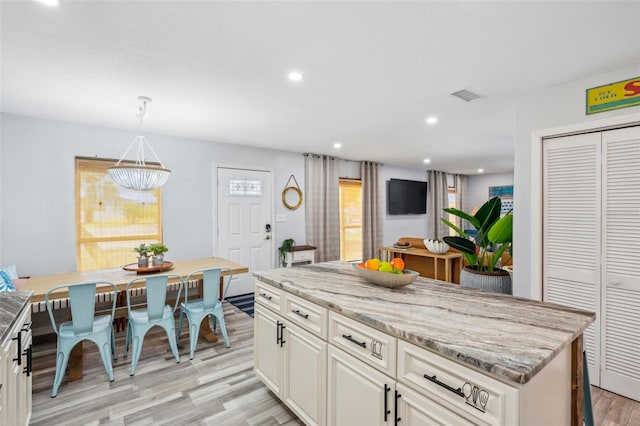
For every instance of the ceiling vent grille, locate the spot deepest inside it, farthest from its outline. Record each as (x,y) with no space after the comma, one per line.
(467,95)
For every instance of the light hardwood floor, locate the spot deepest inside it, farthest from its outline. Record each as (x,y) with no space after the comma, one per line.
(217,387)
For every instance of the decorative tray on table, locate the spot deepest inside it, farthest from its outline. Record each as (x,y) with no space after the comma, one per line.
(141,270)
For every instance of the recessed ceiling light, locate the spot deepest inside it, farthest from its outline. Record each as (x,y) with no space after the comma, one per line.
(480,170)
(427,160)
(49,2)
(432,120)
(337,145)
(295,76)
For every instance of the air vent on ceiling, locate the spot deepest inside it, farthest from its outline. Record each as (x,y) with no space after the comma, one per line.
(467,95)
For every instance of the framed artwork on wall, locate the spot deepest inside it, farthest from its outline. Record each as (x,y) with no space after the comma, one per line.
(506,196)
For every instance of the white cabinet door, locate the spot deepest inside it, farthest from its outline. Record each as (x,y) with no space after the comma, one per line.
(414,409)
(305,374)
(266,349)
(357,394)
(620,317)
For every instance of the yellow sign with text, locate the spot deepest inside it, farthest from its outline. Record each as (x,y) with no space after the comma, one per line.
(612,96)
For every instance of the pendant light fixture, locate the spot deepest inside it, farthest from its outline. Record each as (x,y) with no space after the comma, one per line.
(140,176)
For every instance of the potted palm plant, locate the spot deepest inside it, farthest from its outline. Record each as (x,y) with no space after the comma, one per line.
(484,252)
(158,250)
(143,259)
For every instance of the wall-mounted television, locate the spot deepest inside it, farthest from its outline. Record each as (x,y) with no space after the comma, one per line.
(406,197)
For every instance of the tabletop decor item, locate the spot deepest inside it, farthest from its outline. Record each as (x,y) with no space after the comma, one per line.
(436,246)
(158,250)
(385,279)
(143,255)
(484,251)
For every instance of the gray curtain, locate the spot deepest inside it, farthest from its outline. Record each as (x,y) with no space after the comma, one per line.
(322,207)
(460,182)
(437,199)
(372,209)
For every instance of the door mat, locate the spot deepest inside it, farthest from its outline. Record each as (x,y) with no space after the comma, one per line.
(244,302)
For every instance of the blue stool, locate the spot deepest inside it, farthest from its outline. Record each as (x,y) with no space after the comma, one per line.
(587,406)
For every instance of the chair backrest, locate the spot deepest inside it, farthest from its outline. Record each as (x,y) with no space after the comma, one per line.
(211,284)
(82,301)
(156,289)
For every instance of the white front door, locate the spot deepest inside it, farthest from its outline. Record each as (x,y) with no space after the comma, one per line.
(245,199)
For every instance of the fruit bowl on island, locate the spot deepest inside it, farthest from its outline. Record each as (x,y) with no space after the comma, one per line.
(385,279)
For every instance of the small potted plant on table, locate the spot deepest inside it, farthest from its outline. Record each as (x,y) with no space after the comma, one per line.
(158,250)
(143,259)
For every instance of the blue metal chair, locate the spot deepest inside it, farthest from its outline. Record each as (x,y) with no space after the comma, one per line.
(84,325)
(586,394)
(156,312)
(210,304)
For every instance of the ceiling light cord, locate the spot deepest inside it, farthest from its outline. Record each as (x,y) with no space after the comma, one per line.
(141,140)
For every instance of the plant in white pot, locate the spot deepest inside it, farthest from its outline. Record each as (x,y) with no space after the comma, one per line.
(482,253)
(158,250)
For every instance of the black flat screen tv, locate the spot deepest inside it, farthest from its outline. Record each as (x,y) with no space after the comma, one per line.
(406,197)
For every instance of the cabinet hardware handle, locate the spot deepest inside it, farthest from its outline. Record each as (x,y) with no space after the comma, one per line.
(386,402)
(29,368)
(444,385)
(398,418)
(19,353)
(278,336)
(351,339)
(265,296)
(297,312)
(26,326)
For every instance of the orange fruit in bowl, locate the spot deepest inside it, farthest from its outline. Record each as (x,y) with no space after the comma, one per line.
(361,265)
(373,264)
(397,264)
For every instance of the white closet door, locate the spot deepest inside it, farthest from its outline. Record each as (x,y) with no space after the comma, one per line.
(572,238)
(620,360)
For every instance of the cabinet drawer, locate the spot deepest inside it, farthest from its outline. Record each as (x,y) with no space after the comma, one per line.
(467,391)
(268,296)
(307,315)
(365,343)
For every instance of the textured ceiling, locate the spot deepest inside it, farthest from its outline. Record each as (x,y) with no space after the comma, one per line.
(372,70)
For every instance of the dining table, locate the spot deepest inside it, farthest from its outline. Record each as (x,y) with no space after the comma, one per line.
(120,277)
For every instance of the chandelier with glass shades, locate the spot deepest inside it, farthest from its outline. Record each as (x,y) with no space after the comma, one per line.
(140,176)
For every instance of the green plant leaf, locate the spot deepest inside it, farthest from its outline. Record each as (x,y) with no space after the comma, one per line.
(472,220)
(454,227)
(462,244)
(502,231)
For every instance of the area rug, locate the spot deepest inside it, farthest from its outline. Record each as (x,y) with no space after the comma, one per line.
(244,302)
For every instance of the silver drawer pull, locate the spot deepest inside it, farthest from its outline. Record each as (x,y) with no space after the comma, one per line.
(297,312)
(351,339)
(264,295)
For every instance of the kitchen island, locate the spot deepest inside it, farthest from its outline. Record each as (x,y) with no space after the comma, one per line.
(471,356)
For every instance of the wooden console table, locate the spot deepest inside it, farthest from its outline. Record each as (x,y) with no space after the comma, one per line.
(445,267)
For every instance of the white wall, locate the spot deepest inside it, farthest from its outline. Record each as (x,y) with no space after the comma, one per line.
(37,189)
(561,108)
(478,187)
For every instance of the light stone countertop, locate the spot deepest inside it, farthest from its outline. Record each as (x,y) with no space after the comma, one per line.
(11,304)
(510,337)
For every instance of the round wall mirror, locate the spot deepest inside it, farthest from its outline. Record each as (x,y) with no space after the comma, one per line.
(292,197)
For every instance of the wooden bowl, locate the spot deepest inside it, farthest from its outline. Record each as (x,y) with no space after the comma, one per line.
(386,279)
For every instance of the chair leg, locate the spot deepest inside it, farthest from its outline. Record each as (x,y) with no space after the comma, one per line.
(173,344)
(127,339)
(62,358)
(106,358)
(223,328)
(194,332)
(114,353)
(586,393)
(179,331)
(137,348)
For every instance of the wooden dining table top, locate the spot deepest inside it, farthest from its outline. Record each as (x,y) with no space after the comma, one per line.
(41,284)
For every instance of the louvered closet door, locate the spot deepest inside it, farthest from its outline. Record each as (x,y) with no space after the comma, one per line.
(620,361)
(571,234)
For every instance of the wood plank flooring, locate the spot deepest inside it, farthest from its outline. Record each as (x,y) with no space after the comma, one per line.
(217,387)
